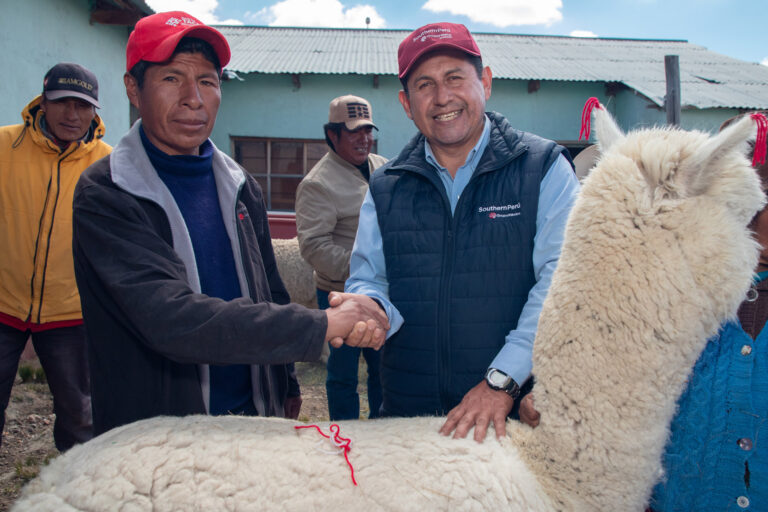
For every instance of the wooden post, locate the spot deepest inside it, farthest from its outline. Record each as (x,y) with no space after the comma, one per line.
(672,99)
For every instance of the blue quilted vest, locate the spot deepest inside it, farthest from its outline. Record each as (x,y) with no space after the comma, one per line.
(460,281)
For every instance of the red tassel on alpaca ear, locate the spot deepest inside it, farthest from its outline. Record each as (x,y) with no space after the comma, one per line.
(586,116)
(760,142)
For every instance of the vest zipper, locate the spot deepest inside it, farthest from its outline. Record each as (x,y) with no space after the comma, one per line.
(444,311)
(443,322)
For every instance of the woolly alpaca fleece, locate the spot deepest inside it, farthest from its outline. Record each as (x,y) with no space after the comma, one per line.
(656,256)
(295,272)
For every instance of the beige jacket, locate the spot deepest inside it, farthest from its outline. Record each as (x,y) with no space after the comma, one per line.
(327,208)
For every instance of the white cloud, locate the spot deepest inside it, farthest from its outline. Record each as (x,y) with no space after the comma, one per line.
(316,13)
(501,13)
(200,9)
(764,62)
(582,33)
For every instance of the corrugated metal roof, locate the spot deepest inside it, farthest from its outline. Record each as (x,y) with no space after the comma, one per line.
(708,79)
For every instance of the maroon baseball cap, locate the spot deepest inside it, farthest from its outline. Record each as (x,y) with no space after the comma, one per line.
(155,38)
(432,37)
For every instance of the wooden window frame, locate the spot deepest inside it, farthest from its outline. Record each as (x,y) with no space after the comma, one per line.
(269,175)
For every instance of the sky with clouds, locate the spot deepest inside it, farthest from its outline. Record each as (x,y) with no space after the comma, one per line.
(731,27)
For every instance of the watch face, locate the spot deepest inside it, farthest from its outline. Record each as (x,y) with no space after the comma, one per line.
(497,379)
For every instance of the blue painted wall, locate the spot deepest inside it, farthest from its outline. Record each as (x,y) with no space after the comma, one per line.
(36,34)
(272,106)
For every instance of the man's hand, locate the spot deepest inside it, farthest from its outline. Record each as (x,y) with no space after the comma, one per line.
(478,408)
(528,414)
(356,320)
(292,407)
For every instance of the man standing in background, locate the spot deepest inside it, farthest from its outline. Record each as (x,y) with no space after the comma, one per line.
(328,203)
(40,163)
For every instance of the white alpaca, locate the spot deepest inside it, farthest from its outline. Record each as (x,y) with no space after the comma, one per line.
(656,256)
(298,277)
(297,274)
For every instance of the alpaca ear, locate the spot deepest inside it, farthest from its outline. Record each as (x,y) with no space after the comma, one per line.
(606,129)
(705,165)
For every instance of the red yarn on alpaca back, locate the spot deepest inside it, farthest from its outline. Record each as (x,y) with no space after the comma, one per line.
(341,442)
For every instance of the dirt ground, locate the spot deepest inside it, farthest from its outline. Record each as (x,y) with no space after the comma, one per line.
(28,433)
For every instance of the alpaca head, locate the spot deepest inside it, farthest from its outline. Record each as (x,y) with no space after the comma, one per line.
(679,164)
(699,187)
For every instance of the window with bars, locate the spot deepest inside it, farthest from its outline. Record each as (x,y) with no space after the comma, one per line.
(278,165)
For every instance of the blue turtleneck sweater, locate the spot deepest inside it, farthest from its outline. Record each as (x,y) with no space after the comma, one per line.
(191,182)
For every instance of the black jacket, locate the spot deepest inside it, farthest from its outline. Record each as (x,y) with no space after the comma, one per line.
(150,331)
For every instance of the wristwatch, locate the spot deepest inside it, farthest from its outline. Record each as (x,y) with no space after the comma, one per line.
(500,381)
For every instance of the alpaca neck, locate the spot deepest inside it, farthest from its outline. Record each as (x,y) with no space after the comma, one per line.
(604,424)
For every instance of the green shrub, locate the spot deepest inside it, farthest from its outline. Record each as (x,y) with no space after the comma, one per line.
(26,372)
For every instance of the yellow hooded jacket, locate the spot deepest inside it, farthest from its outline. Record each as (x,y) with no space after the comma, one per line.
(37,180)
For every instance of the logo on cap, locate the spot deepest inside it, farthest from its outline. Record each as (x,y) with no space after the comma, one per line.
(73,81)
(434,34)
(355,110)
(173,21)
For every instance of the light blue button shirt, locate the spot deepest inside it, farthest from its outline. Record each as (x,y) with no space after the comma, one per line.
(558,189)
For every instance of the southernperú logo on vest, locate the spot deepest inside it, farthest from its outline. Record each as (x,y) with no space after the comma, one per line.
(500,211)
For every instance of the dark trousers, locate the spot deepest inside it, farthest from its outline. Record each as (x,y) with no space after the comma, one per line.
(341,381)
(63,355)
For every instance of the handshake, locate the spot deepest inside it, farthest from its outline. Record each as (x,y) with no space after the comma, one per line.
(356,320)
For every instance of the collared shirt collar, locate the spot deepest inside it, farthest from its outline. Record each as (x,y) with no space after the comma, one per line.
(473,158)
(455,185)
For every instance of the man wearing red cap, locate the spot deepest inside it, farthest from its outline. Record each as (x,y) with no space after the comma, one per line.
(184,308)
(40,163)
(457,240)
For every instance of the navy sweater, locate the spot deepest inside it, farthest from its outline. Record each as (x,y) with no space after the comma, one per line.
(191,182)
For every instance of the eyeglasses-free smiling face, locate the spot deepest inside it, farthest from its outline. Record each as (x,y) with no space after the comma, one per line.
(68,119)
(178,102)
(353,146)
(446,100)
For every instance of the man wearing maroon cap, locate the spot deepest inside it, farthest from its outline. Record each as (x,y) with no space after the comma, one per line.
(457,241)
(184,307)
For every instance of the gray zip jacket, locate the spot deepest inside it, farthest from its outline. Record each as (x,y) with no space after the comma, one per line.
(151,333)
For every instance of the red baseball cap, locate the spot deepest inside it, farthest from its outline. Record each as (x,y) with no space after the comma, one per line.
(432,37)
(155,38)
